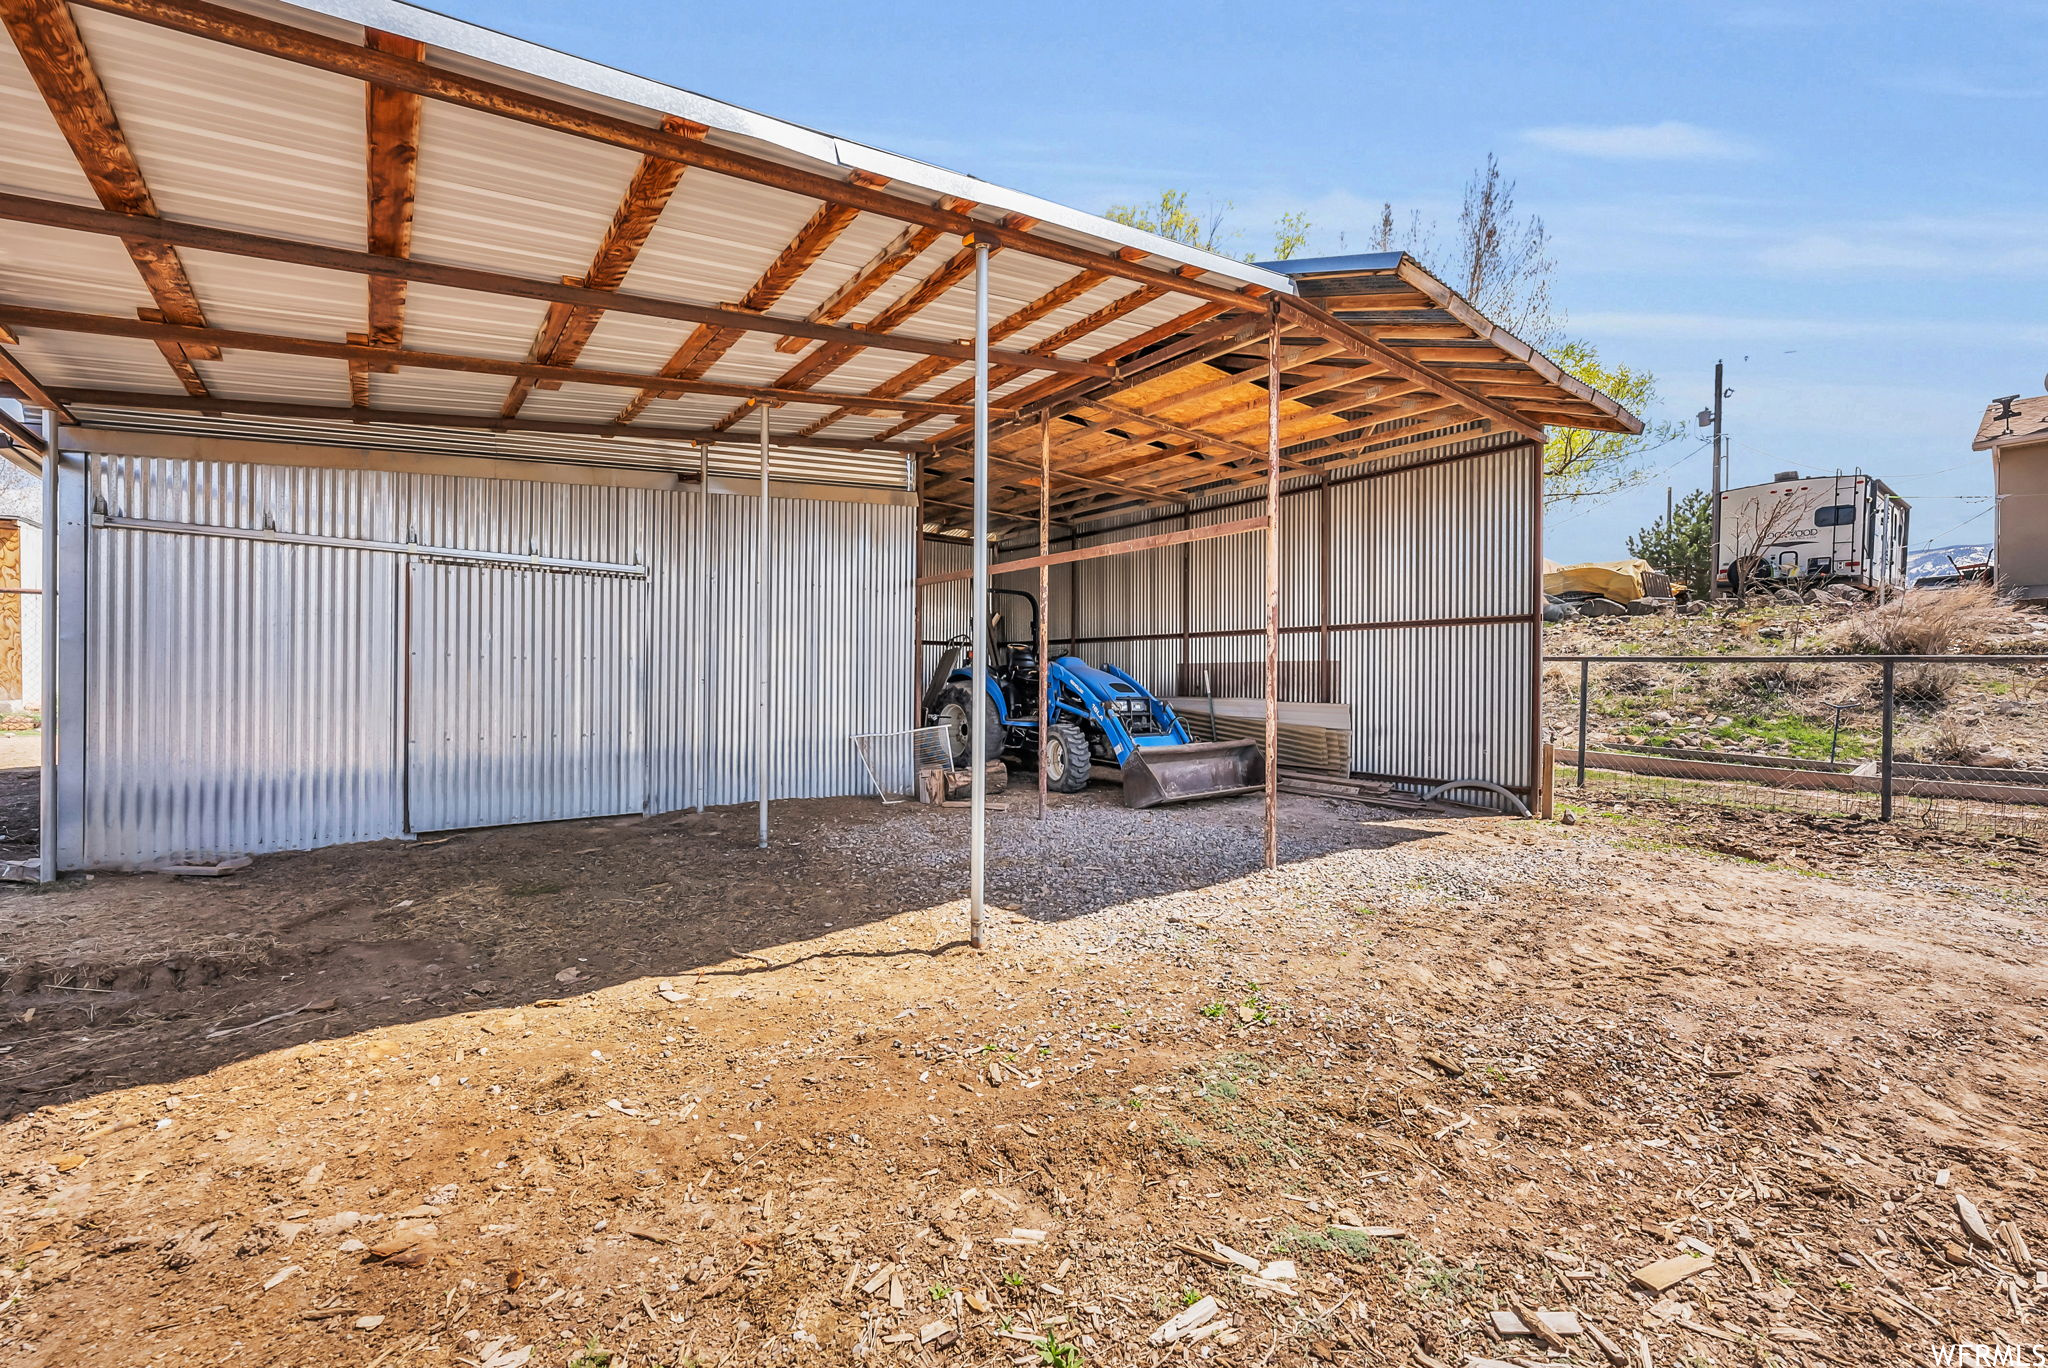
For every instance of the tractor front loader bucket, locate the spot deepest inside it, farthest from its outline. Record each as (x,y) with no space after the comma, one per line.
(1181,774)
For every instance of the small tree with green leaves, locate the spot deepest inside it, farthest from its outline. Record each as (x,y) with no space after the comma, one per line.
(1578,462)
(1171,218)
(1679,544)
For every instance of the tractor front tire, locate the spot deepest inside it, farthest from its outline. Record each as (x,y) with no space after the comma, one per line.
(1067,761)
(952,714)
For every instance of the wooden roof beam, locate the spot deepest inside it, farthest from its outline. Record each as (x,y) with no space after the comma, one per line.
(906,247)
(24,380)
(1002,375)
(391,122)
(1398,364)
(100,325)
(56,214)
(704,346)
(566,328)
(1058,297)
(463,422)
(921,296)
(932,367)
(307,48)
(54,51)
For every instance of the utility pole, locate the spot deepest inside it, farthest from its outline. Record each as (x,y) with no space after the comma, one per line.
(1714,497)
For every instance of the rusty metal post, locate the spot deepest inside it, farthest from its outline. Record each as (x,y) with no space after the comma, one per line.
(1585,697)
(917,679)
(1044,613)
(1889,699)
(1536,751)
(1326,667)
(1273,593)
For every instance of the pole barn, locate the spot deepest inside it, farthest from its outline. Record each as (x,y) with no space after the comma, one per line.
(437,430)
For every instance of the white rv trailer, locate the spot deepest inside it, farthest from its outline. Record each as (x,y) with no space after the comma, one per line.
(1813,530)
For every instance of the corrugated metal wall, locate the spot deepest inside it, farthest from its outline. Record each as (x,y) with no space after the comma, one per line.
(1428,555)
(247,695)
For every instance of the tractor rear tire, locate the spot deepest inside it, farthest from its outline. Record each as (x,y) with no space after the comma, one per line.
(1067,760)
(952,714)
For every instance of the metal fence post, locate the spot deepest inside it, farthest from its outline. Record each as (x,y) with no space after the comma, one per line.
(1585,682)
(1884,767)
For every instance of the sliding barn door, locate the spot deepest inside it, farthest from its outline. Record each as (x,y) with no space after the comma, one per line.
(527,695)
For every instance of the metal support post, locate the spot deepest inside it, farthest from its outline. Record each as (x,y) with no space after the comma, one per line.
(917,679)
(1585,697)
(1884,764)
(1044,643)
(46,833)
(700,601)
(977,819)
(764,649)
(1273,593)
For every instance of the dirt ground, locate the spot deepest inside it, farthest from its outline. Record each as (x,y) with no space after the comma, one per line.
(625,1093)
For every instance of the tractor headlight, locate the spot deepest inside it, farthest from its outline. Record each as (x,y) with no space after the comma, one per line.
(1130,705)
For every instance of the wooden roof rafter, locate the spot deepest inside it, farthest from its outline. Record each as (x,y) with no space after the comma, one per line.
(217,23)
(56,214)
(566,328)
(391,121)
(919,297)
(14,373)
(47,37)
(1000,375)
(100,325)
(179,403)
(707,343)
(922,372)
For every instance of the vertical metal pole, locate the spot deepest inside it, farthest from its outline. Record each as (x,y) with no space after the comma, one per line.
(1273,593)
(1326,665)
(1714,498)
(700,600)
(1884,766)
(1541,776)
(46,830)
(1044,645)
(977,838)
(917,679)
(1585,697)
(764,591)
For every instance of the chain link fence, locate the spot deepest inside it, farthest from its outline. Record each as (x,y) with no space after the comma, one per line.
(1954,740)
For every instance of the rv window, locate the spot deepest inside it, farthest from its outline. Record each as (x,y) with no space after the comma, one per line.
(1840,515)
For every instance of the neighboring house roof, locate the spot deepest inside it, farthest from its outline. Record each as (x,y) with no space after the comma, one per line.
(2028,420)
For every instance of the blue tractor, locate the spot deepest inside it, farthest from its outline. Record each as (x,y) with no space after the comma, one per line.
(1101,717)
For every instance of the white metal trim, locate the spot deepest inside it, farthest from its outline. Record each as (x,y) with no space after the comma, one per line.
(453,554)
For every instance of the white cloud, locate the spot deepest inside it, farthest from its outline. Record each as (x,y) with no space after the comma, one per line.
(1667,141)
(1955,85)
(1761,330)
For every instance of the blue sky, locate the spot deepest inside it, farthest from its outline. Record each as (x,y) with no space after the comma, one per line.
(1843,200)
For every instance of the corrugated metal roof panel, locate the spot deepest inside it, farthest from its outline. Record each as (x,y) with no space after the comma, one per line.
(235,138)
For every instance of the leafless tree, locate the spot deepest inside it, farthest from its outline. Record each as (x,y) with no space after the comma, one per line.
(1501,258)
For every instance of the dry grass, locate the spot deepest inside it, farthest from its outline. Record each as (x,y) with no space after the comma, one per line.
(1927,622)
(1950,740)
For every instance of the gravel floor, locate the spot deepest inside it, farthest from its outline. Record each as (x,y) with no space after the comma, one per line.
(1146,880)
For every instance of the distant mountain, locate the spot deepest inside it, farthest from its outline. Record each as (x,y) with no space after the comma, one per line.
(1937,560)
